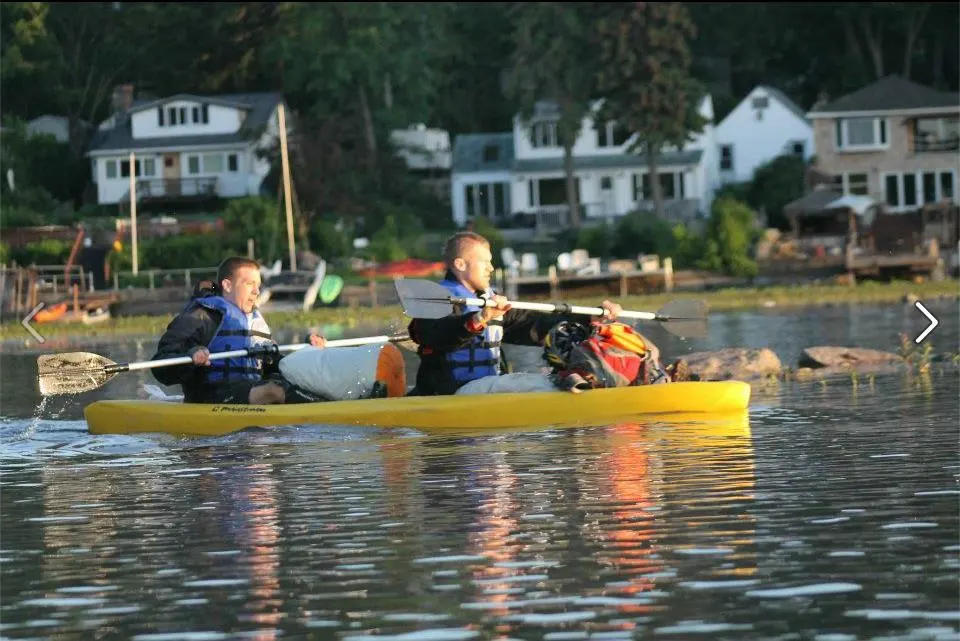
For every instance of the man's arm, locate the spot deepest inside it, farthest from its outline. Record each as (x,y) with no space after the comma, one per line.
(445,334)
(185,334)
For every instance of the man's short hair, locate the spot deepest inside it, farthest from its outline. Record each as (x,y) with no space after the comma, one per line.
(228,268)
(458,243)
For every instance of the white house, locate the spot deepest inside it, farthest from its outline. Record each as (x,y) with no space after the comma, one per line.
(521,173)
(185,145)
(765,124)
(427,154)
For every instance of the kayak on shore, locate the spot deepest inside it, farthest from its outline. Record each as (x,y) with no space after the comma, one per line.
(428,413)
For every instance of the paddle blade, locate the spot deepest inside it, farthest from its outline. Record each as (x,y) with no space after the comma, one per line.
(684,318)
(72,373)
(423,298)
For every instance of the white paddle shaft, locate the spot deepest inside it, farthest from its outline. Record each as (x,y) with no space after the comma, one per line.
(186,360)
(548,307)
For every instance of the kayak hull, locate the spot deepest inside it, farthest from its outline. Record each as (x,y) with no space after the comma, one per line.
(429,413)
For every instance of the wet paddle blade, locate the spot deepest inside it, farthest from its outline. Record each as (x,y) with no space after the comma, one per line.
(73,373)
(684,318)
(423,299)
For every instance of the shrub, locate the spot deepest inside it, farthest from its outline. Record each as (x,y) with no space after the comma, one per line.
(729,238)
(642,233)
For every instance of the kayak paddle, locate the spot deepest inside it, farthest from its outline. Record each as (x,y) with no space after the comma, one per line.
(78,372)
(427,299)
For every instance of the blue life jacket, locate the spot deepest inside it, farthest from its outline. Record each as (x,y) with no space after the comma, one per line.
(482,356)
(236,331)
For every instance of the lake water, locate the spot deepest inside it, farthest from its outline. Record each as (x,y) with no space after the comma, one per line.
(830,513)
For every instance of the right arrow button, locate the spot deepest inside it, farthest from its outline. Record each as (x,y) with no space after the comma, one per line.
(933,323)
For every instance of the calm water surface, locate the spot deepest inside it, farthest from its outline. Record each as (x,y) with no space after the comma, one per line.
(829,513)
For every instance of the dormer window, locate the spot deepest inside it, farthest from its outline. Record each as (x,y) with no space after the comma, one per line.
(544,135)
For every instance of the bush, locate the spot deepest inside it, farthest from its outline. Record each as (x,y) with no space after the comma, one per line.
(642,233)
(775,185)
(599,240)
(690,247)
(329,241)
(257,218)
(43,252)
(729,238)
(385,244)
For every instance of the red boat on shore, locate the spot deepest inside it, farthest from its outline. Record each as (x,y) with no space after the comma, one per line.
(408,268)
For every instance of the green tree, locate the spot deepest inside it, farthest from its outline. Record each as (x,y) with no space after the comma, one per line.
(776,184)
(728,239)
(553,76)
(645,77)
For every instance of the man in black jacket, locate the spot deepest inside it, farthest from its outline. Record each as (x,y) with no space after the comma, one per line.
(465,346)
(223,317)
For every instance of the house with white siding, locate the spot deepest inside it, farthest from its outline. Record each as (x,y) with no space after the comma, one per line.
(184,146)
(766,124)
(521,174)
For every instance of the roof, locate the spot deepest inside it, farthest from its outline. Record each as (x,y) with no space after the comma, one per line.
(468,152)
(689,157)
(260,105)
(891,93)
(785,101)
(813,203)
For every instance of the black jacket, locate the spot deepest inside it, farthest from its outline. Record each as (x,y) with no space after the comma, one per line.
(188,332)
(438,337)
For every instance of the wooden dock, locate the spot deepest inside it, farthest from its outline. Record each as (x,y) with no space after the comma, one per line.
(620,282)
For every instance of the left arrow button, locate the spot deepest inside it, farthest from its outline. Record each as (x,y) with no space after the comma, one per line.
(26,323)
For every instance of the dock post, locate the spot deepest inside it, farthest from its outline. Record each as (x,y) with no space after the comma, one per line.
(554,281)
(668,274)
(624,285)
(76,300)
(373,292)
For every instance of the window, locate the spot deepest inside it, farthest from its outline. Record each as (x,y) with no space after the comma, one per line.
(798,148)
(929,187)
(909,190)
(470,200)
(857,185)
(233,163)
(183,115)
(936,134)
(606,183)
(498,208)
(545,135)
(212,163)
(168,161)
(149,166)
(205,113)
(861,133)
(491,153)
(641,187)
(668,186)
(125,168)
(552,191)
(172,115)
(196,114)
(611,134)
(760,102)
(193,165)
(946,184)
(532,199)
(483,194)
(160,116)
(726,157)
(111,169)
(892,196)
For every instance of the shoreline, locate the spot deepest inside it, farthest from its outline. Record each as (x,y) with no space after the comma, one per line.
(723,300)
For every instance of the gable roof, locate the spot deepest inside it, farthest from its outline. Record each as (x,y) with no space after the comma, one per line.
(785,101)
(891,93)
(260,108)
(468,152)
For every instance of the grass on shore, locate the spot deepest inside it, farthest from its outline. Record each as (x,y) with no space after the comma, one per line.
(392,316)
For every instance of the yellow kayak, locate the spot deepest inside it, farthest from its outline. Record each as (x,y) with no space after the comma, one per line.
(428,413)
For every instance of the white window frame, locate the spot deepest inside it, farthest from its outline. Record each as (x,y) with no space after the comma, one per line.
(846,182)
(199,165)
(845,135)
(732,166)
(149,168)
(111,164)
(213,156)
(953,172)
(545,135)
